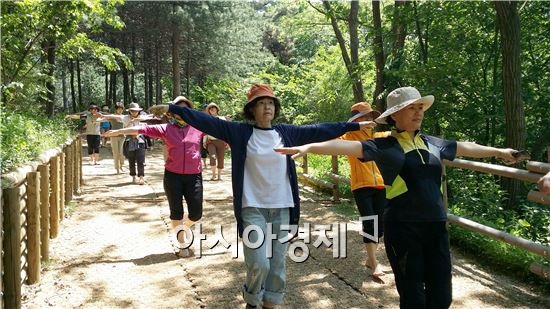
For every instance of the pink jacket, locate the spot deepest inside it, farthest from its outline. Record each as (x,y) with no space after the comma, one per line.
(183,145)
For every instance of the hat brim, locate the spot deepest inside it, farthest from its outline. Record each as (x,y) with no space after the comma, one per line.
(134,109)
(375,114)
(186,100)
(427,101)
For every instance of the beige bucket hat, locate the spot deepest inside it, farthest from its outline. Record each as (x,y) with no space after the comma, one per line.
(401,98)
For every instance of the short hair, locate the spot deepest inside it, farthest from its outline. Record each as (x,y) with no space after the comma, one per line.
(390,121)
(247,110)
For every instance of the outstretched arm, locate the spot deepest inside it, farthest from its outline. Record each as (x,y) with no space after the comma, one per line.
(473,150)
(125,131)
(332,147)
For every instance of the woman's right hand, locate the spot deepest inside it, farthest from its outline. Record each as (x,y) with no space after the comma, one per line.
(110,133)
(296,152)
(158,110)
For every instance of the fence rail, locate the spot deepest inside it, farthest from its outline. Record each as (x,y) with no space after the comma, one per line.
(534,172)
(33,200)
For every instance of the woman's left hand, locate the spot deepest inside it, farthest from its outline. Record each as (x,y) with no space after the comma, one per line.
(110,133)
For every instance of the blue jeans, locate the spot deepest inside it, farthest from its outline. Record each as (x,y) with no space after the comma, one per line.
(265,277)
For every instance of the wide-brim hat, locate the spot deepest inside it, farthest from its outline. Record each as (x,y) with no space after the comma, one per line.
(361,109)
(258,91)
(212,104)
(401,98)
(134,107)
(93,106)
(181,98)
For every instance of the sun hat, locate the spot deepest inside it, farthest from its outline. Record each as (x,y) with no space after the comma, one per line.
(119,105)
(93,106)
(105,108)
(134,107)
(257,91)
(212,104)
(181,98)
(401,98)
(361,109)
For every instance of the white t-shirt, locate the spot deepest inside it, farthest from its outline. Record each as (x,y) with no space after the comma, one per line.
(266,183)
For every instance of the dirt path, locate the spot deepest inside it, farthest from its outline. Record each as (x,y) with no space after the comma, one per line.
(115,250)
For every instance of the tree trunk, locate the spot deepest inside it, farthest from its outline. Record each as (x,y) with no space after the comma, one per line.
(73,95)
(354,50)
(378,55)
(125,79)
(146,77)
(106,86)
(509,26)
(398,34)
(132,74)
(50,86)
(422,44)
(175,56)
(157,73)
(188,68)
(78,80)
(113,88)
(64,87)
(151,85)
(356,81)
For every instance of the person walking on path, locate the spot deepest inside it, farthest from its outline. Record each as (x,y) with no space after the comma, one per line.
(182,173)
(415,232)
(117,142)
(135,145)
(367,186)
(105,125)
(265,185)
(215,147)
(93,133)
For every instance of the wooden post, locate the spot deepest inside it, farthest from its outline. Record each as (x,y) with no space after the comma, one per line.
(12,249)
(44,170)
(68,174)
(77,171)
(62,170)
(304,164)
(2,244)
(548,152)
(33,227)
(55,198)
(80,160)
(335,191)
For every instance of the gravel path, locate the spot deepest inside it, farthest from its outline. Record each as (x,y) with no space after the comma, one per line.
(115,250)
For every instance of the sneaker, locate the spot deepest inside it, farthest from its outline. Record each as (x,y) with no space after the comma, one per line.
(141,181)
(134,179)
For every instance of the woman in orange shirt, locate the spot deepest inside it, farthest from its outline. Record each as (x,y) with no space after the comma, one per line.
(367,186)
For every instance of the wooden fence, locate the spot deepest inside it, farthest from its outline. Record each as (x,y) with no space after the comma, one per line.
(535,170)
(33,202)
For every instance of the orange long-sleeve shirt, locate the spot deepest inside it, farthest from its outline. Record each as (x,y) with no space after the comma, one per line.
(364,174)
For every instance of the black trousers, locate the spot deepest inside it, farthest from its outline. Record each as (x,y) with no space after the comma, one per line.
(93,143)
(420,258)
(137,156)
(371,202)
(179,186)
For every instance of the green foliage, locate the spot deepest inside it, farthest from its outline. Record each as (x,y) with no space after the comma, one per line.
(25,136)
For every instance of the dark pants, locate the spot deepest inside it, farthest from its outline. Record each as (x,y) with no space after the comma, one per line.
(93,143)
(371,202)
(137,156)
(179,186)
(420,258)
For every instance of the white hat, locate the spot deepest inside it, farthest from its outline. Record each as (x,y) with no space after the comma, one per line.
(134,107)
(403,97)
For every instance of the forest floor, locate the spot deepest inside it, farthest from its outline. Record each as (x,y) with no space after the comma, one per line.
(115,250)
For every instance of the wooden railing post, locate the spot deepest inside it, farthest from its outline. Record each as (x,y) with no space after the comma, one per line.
(12,248)
(68,173)
(335,191)
(77,171)
(304,164)
(44,171)
(62,171)
(33,227)
(55,198)
(80,159)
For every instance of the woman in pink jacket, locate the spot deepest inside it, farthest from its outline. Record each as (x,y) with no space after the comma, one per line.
(182,173)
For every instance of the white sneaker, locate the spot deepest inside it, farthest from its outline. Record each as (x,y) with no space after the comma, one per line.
(141,181)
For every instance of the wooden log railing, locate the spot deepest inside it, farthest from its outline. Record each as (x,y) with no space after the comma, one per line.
(534,172)
(33,199)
